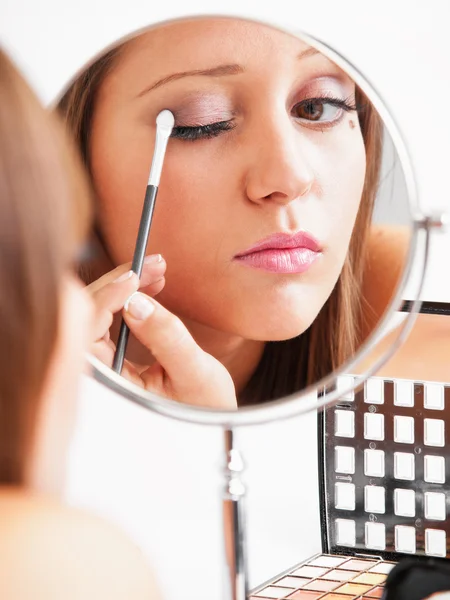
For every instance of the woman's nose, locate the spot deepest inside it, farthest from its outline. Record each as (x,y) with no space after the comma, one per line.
(279,170)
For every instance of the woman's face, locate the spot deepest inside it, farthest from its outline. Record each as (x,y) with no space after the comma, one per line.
(253,155)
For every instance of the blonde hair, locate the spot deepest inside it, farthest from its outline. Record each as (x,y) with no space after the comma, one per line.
(45,212)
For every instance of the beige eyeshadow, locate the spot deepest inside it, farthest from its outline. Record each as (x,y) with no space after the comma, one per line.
(322,585)
(335,597)
(305,595)
(308,571)
(328,561)
(273,592)
(355,589)
(372,578)
(339,575)
(359,565)
(376,593)
(292,582)
(382,567)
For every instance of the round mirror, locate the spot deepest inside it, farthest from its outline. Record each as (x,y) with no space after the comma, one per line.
(284,230)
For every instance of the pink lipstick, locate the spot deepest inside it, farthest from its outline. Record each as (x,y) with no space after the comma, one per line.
(282,253)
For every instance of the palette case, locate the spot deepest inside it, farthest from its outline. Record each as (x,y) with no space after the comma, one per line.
(384,487)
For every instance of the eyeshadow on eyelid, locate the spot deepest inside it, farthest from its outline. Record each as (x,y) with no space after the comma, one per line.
(202,111)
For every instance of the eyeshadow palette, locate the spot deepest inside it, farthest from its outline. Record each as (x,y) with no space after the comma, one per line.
(384,486)
(386,469)
(328,577)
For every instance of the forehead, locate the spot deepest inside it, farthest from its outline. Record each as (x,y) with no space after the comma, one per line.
(205,43)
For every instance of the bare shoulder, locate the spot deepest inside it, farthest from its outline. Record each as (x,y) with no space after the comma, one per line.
(387,253)
(48,551)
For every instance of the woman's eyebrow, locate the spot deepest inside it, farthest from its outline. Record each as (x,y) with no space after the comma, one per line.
(219,71)
(307,53)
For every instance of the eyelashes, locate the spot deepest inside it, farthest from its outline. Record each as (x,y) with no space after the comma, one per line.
(310,111)
(202,131)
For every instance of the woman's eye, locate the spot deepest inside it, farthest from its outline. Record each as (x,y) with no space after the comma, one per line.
(324,110)
(193,133)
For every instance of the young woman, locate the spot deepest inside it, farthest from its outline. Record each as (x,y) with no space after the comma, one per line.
(264,211)
(46,551)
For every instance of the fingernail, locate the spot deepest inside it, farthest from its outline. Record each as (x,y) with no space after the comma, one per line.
(153,258)
(139,306)
(124,277)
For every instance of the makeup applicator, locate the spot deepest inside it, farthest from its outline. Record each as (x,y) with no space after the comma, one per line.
(164,125)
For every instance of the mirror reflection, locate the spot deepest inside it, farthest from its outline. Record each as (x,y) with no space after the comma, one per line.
(281,225)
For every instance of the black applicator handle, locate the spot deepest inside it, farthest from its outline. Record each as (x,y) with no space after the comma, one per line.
(136,267)
(164,125)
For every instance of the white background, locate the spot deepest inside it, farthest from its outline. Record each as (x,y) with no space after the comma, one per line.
(158,478)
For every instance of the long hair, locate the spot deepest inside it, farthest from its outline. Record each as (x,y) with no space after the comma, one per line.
(286,366)
(44,215)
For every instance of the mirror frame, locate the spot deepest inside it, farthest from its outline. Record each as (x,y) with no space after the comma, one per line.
(307,399)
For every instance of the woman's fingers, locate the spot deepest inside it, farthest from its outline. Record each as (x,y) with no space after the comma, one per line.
(110,293)
(163,333)
(153,268)
(190,374)
(110,299)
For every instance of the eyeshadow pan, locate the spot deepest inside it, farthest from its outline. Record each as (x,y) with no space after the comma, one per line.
(345,532)
(404,466)
(292,582)
(405,539)
(434,432)
(355,589)
(373,463)
(435,542)
(374,499)
(374,391)
(434,396)
(345,382)
(375,534)
(435,506)
(328,561)
(375,593)
(374,426)
(404,393)
(369,578)
(339,575)
(321,585)
(434,469)
(273,592)
(403,430)
(344,423)
(306,595)
(359,565)
(382,567)
(335,597)
(405,502)
(344,494)
(310,572)
(344,460)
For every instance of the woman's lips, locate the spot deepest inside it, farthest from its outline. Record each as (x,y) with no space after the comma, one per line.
(282,253)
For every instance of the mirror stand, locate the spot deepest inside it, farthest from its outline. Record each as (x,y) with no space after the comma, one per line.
(235,549)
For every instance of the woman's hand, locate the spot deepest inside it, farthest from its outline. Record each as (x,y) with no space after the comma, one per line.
(182,370)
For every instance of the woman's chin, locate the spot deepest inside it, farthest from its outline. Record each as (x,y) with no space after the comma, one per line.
(276,331)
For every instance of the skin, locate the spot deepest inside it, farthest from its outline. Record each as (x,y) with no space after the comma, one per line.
(275,171)
(49,551)
(56,420)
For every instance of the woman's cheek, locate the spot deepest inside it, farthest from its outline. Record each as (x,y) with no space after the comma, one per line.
(341,185)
